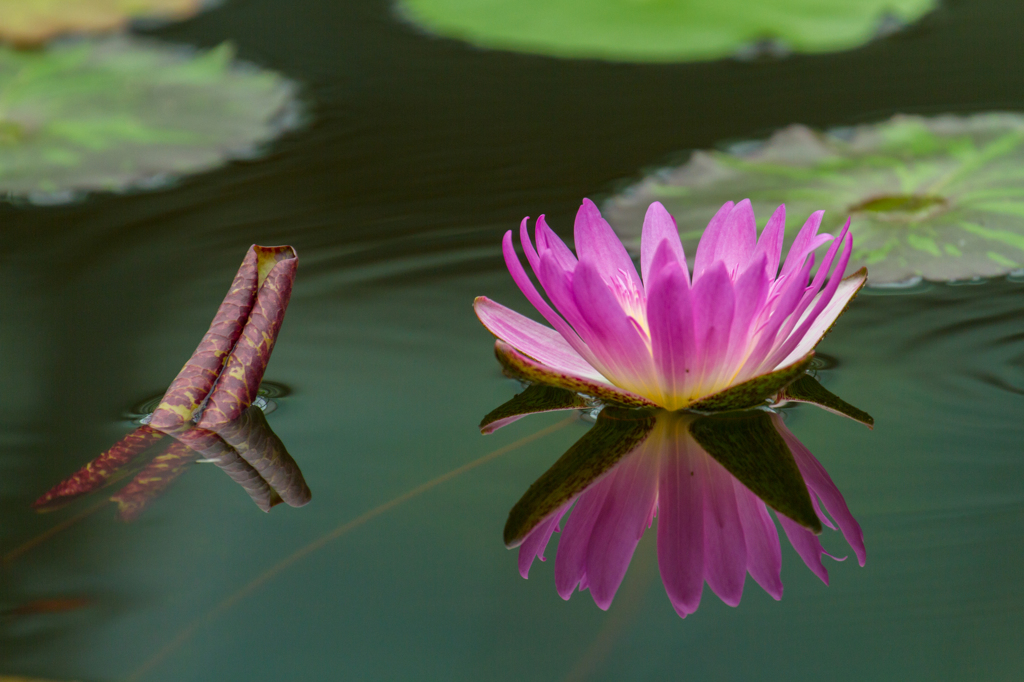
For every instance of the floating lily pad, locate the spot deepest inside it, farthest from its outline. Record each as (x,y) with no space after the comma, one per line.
(33,22)
(666,30)
(123,113)
(934,198)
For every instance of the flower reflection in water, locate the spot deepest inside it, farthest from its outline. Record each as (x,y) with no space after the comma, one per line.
(709,480)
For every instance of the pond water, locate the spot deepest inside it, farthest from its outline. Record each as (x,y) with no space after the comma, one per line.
(420,153)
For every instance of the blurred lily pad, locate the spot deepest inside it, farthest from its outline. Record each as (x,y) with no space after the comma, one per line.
(122,113)
(33,22)
(664,30)
(934,198)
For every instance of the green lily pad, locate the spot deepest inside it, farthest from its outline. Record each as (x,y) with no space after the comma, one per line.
(663,30)
(934,198)
(33,22)
(123,113)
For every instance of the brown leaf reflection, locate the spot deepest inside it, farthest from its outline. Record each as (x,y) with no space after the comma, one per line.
(153,480)
(49,605)
(252,439)
(247,449)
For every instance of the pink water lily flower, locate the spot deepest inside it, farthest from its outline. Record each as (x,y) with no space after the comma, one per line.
(729,336)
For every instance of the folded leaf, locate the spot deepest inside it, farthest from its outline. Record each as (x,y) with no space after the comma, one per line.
(200,374)
(226,368)
(240,381)
(751,449)
(216,387)
(616,434)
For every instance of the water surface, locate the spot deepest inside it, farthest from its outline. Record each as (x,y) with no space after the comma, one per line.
(420,154)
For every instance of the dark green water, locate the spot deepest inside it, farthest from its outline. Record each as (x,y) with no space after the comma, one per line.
(421,153)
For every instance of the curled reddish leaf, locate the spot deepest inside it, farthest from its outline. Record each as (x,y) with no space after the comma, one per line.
(189,389)
(153,480)
(99,471)
(245,305)
(215,387)
(240,381)
(230,362)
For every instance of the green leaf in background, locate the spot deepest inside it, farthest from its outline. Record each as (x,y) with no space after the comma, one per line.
(663,30)
(122,113)
(33,22)
(934,198)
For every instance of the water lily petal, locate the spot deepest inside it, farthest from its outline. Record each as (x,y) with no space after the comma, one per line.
(681,523)
(725,551)
(571,560)
(714,304)
(536,542)
(557,283)
(673,341)
(845,292)
(733,242)
(532,257)
(525,367)
(764,552)
(780,311)
(659,228)
(541,343)
(820,484)
(549,242)
(789,340)
(806,545)
(806,241)
(751,291)
(770,242)
(707,248)
(614,339)
(625,515)
(814,298)
(597,243)
(525,285)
